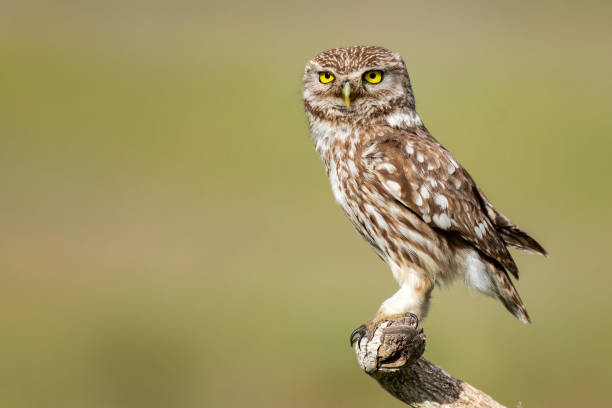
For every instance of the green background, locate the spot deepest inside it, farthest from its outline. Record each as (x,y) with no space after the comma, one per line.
(169,238)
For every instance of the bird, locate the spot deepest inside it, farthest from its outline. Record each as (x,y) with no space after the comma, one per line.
(407,195)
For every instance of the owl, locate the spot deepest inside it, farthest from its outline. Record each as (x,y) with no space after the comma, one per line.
(402,190)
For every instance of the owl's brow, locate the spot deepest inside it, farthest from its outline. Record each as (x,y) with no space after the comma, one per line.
(361,70)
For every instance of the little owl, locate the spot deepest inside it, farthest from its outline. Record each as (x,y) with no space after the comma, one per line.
(403,191)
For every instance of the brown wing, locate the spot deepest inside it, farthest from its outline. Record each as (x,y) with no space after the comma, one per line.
(510,232)
(419,173)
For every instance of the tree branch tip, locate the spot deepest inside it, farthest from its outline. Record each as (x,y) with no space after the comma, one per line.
(392,355)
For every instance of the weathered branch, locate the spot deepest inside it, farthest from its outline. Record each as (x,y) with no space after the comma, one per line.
(393,357)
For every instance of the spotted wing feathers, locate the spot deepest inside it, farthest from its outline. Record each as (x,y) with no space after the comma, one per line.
(423,176)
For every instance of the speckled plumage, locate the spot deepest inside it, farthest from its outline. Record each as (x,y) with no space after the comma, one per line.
(403,191)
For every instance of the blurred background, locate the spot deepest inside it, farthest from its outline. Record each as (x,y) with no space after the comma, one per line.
(169,234)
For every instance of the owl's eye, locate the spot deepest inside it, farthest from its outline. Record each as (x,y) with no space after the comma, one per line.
(325,77)
(373,77)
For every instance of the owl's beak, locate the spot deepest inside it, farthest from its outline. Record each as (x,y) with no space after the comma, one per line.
(346,92)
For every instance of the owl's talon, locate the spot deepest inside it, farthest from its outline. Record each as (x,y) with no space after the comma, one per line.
(361,331)
(415,318)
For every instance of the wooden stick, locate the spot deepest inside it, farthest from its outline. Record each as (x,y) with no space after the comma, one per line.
(393,357)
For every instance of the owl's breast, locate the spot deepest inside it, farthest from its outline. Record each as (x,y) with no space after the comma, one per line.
(356,198)
(399,236)
(338,178)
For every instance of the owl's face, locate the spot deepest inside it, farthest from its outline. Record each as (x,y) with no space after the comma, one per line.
(355,83)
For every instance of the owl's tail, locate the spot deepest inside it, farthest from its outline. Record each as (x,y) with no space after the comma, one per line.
(509,296)
(514,236)
(510,232)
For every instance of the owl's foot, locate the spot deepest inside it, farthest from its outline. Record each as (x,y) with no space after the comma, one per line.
(367,329)
(411,319)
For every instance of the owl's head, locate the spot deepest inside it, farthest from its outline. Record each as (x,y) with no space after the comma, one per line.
(362,82)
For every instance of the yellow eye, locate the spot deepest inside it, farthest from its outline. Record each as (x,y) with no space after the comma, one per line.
(325,77)
(373,77)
